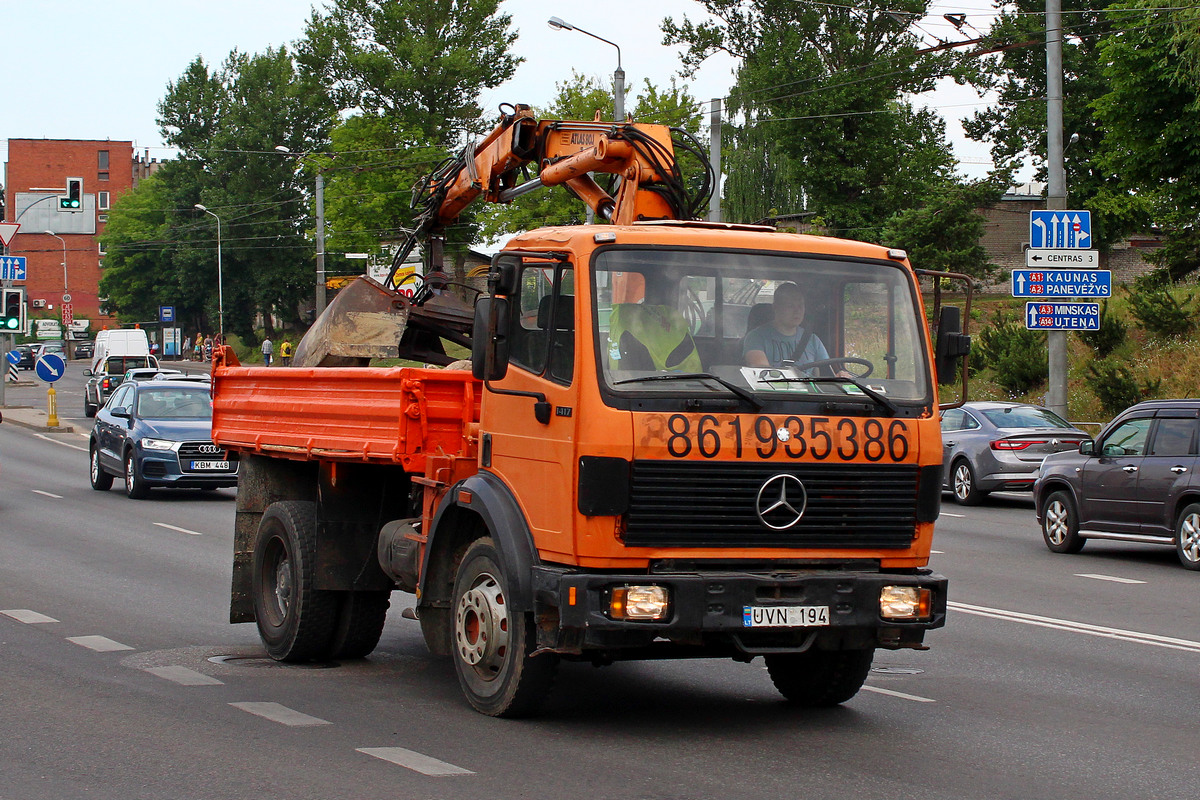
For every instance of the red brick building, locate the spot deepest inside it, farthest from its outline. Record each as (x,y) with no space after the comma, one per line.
(36,175)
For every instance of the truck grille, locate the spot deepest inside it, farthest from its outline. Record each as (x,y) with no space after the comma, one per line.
(690,504)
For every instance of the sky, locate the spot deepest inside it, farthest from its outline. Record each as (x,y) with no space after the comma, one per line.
(81,69)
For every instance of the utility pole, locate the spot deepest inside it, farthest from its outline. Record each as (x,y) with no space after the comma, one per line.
(1056,191)
(714,158)
(320,201)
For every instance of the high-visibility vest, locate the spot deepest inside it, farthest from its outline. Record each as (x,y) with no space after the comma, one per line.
(649,337)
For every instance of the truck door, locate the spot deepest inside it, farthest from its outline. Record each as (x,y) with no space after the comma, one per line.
(536,459)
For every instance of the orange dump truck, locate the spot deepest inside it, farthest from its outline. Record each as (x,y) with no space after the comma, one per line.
(585,498)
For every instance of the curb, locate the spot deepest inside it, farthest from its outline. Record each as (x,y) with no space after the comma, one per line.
(39,425)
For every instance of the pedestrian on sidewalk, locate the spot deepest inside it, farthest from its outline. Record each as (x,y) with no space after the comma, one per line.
(268,349)
(285,353)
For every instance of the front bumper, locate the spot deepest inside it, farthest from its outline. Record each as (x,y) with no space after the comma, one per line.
(708,611)
(162,469)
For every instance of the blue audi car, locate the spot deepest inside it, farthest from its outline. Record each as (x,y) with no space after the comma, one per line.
(158,433)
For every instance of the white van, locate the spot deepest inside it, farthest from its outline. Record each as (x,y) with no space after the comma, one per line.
(119,342)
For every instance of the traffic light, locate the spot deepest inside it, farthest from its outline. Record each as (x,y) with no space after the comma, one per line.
(73,199)
(13,319)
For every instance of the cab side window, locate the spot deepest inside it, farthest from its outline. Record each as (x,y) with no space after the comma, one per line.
(543,334)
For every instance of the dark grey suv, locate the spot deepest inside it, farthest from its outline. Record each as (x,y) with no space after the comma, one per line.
(1137,482)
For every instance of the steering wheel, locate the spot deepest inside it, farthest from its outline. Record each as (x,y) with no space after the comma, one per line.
(843,360)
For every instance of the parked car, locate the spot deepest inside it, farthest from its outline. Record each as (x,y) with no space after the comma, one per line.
(1138,482)
(27,360)
(995,446)
(84,348)
(158,433)
(57,346)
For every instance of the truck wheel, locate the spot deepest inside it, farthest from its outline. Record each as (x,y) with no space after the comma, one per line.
(819,678)
(101,480)
(359,623)
(493,643)
(135,484)
(1060,524)
(295,621)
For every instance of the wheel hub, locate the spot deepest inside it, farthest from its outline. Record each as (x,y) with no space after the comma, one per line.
(962,482)
(283,586)
(481,626)
(1189,538)
(1056,523)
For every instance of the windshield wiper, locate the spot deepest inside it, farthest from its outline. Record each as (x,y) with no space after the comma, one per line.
(682,376)
(867,390)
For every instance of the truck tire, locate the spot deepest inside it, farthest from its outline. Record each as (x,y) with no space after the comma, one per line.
(295,621)
(493,644)
(819,678)
(101,480)
(359,623)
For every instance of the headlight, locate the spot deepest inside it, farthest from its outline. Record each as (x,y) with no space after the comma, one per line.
(639,602)
(909,603)
(157,444)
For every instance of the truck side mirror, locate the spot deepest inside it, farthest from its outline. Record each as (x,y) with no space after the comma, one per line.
(952,344)
(489,339)
(502,278)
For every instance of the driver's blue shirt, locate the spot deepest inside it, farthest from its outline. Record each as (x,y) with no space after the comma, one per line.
(780,348)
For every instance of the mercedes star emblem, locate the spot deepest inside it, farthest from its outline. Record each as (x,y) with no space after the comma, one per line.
(781,501)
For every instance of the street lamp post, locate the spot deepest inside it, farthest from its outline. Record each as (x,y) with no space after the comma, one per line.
(319,200)
(618,75)
(66,294)
(220,286)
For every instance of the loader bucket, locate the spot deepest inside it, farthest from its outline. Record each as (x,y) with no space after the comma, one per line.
(366,320)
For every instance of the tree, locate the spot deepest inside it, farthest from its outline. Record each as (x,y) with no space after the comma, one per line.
(944,234)
(826,85)
(1015,125)
(421,63)
(1151,121)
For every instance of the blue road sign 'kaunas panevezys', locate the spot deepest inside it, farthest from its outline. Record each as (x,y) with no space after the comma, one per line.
(1062,316)
(1061,283)
(1060,229)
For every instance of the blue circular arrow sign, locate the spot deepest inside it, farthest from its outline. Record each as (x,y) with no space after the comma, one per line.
(50,367)
(14,357)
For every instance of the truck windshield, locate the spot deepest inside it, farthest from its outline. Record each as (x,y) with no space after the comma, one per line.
(778,326)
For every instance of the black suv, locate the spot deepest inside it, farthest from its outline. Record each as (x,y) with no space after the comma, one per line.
(1138,482)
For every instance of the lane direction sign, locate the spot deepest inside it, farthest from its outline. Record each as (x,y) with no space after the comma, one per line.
(1060,229)
(1062,316)
(13,356)
(12,268)
(50,367)
(1061,283)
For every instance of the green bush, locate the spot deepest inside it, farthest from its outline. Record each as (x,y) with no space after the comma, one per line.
(1016,356)
(1111,334)
(1116,387)
(1158,310)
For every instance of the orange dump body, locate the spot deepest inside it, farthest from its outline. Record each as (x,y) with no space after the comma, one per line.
(399,415)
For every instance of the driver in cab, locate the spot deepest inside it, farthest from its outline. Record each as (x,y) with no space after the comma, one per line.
(784,338)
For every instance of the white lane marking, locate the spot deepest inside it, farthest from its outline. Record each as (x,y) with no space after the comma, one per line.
(958,516)
(1112,578)
(47,494)
(937,552)
(417,762)
(184,676)
(100,644)
(181,530)
(1079,627)
(64,444)
(27,616)
(281,714)
(901,695)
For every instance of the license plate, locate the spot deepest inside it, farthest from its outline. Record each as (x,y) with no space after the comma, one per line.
(785,616)
(210,465)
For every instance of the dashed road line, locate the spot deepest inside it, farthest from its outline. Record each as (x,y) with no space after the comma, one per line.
(903,696)
(1136,637)
(47,494)
(27,616)
(101,644)
(175,528)
(417,762)
(956,516)
(937,552)
(184,676)
(281,714)
(1110,578)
